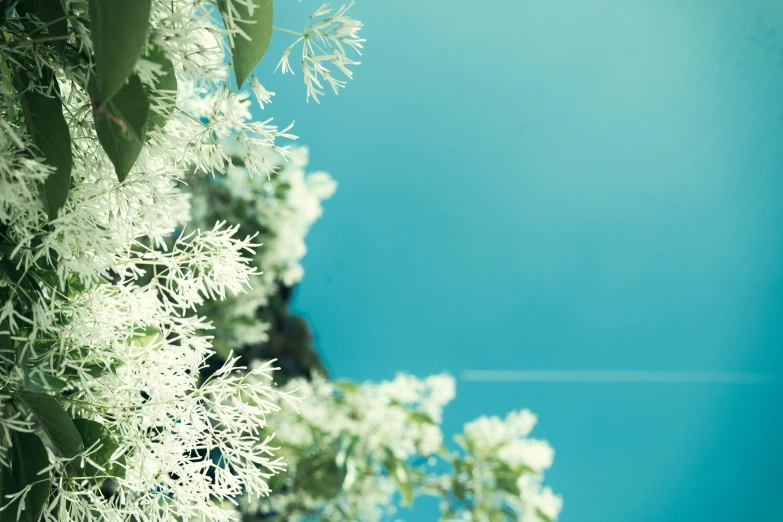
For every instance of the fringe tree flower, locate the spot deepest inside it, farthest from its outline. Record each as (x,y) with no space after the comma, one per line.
(354,450)
(326,39)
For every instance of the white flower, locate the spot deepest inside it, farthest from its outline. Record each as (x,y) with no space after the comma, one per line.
(325,43)
(262,95)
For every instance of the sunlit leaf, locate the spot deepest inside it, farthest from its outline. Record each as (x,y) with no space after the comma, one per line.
(246,54)
(345,386)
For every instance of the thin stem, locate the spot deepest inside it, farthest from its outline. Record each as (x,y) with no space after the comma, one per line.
(287,30)
(126,406)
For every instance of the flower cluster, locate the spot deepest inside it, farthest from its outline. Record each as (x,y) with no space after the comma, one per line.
(354,450)
(103,416)
(499,470)
(326,39)
(345,438)
(280,209)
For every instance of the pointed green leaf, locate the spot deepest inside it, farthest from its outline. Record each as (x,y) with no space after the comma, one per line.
(166,82)
(56,423)
(257,25)
(121,125)
(37,381)
(50,12)
(28,458)
(118,29)
(49,132)
(95,434)
(421,418)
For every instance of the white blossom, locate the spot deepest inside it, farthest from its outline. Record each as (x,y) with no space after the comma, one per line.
(326,39)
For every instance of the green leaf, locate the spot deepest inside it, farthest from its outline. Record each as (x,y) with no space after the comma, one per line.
(37,381)
(246,54)
(118,29)
(346,446)
(94,370)
(50,12)
(56,423)
(9,270)
(8,486)
(95,434)
(421,418)
(347,443)
(506,479)
(165,82)
(49,132)
(542,516)
(28,458)
(398,470)
(345,386)
(121,125)
(6,343)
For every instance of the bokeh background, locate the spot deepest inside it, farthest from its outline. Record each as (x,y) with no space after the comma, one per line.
(565,185)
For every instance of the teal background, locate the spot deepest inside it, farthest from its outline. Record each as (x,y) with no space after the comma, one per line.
(565,185)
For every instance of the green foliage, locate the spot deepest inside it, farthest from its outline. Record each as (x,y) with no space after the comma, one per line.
(543,516)
(95,434)
(318,475)
(56,423)
(246,54)
(49,132)
(28,459)
(345,386)
(399,471)
(118,30)
(121,125)
(39,382)
(506,478)
(166,82)
(343,457)
(421,418)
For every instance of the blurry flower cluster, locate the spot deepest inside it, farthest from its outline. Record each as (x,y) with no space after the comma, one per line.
(279,209)
(353,452)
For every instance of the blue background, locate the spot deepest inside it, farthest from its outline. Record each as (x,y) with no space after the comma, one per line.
(569,185)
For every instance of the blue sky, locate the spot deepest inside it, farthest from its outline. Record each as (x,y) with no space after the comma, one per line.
(565,185)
